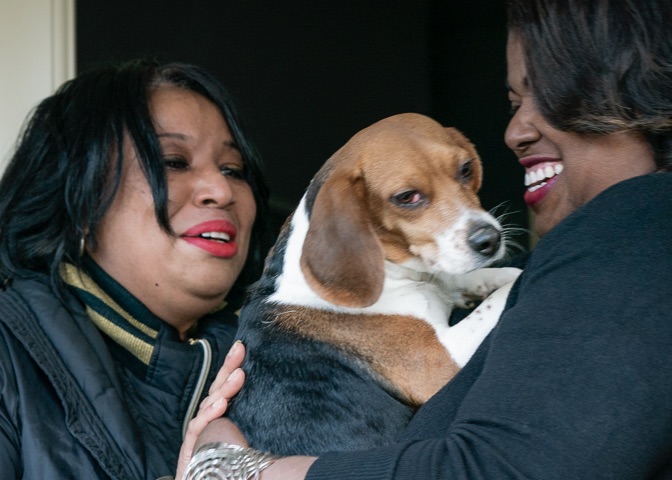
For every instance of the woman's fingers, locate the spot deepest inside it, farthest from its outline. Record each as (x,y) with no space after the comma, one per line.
(225,392)
(219,429)
(234,360)
(196,427)
(228,383)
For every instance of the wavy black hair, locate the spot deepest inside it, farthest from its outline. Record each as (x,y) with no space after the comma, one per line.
(67,164)
(600,66)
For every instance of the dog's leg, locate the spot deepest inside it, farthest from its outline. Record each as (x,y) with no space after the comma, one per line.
(478,284)
(463,339)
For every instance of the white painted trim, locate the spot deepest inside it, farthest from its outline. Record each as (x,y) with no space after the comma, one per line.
(63,41)
(37,54)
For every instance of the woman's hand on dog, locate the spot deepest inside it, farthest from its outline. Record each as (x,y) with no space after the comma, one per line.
(208,421)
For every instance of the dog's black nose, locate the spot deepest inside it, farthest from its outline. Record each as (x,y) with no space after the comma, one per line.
(484,239)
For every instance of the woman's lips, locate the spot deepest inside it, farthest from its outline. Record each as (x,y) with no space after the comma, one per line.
(535,196)
(540,175)
(217,237)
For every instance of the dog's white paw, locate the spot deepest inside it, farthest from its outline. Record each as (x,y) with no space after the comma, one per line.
(478,284)
(463,339)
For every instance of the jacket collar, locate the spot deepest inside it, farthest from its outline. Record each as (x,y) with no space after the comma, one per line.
(135,330)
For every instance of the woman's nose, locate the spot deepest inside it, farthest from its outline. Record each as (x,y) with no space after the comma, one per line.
(213,189)
(521,131)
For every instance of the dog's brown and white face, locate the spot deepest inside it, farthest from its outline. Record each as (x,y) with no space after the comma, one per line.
(422,197)
(402,190)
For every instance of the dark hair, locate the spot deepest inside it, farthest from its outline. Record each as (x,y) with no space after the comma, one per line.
(67,165)
(600,66)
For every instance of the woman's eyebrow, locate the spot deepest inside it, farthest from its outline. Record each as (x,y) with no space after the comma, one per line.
(232,144)
(181,136)
(508,87)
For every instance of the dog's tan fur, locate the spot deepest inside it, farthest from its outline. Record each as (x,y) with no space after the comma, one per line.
(383,341)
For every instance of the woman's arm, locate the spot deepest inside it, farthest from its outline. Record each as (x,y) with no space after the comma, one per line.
(208,426)
(227,383)
(576,380)
(10,454)
(10,457)
(225,431)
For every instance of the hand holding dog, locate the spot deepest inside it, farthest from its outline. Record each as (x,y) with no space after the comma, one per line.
(208,421)
(209,426)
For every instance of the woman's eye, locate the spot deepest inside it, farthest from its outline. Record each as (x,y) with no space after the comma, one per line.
(175,163)
(409,198)
(513,108)
(233,172)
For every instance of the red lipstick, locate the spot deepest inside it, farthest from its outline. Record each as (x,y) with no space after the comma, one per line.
(540,174)
(217,237)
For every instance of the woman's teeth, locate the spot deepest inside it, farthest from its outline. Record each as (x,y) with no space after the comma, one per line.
(224,237)
(536,179)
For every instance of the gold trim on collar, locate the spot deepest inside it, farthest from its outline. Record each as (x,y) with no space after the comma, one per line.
(81,280)
(136,346)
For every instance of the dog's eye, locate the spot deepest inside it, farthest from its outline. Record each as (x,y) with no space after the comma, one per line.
(466,171)
(409,198)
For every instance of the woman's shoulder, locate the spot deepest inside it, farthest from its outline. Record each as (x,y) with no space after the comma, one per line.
(646,193)
(32,309)
(19,293)
(625,229)
(657,184)
(33,291)
(640,206)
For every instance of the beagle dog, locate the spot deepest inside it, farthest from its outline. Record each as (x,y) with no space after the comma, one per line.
(347,330)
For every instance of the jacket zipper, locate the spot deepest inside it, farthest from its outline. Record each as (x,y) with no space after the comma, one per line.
(200,385)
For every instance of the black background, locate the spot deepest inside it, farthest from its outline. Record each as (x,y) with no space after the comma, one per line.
(307,75)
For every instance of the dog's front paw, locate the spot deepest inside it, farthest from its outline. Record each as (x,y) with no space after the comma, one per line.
(478,284)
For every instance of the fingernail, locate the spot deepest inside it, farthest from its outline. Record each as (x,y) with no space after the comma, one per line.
(233,374)
(233,348)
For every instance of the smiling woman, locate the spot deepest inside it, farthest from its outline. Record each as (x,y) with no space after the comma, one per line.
(180,276)
(132,216)
(564,169)
(576,379)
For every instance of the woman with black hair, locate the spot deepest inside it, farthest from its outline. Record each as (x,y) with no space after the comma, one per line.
(576,379)
(132,216)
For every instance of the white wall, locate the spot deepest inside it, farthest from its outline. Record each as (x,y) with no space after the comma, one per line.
(37,54)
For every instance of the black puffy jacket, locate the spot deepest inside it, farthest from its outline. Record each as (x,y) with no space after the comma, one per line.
(70,407)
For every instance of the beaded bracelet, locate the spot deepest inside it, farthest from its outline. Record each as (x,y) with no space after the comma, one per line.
(223,461)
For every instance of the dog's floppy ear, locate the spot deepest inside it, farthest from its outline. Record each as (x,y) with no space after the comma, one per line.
(342,259)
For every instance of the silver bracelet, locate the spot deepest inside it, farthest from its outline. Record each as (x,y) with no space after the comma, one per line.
(223,461)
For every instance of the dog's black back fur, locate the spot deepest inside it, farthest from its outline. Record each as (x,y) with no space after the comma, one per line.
(305,397)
